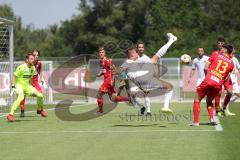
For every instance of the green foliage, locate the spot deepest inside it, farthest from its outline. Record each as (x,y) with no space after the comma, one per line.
(196,24)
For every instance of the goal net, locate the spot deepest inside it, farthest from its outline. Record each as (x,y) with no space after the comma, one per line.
(6,55)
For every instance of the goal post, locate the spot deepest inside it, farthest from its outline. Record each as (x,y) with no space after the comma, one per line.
(6,54)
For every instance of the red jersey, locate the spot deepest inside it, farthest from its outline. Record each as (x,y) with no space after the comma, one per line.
(221,66)
(106,64)
(38,66)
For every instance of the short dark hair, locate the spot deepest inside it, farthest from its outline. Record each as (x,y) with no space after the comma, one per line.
(140,43)
(202,48)
(38,51)
(101,49)
(228,47)
(129,49)
(221,39)
(28,55)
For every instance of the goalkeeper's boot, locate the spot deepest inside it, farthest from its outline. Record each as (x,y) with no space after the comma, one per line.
(142,110)
(170,36)
(228,113)
(194,124)
(166,110)
(10,118)
(22,114)
(42,112)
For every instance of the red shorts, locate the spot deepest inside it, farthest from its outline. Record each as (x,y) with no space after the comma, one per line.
(36,85)
(107,87)
(205,89)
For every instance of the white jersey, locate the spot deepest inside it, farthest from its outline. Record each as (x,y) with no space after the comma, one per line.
(143,59)
(233,75)
(199,64)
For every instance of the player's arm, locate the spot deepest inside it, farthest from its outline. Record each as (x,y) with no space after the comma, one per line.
(41,75)
(192,71)
(13,81)
(209,62)
(191,74)
(100,73)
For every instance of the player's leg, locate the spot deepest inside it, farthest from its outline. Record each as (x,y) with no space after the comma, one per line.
(100,101)
(217,102)
(20,92)
(148,105)
(167,89)
(164,48)
(31,91)
(167,98)
(210,109)
(114,97)
(202,90)
(22,107)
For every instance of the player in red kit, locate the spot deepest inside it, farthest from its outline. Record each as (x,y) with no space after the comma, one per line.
(218,68)
(107,86)
(220,43)
(35,78)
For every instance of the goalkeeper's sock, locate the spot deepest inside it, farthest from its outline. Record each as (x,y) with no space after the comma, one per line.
(210,112)
(148,104)
(16,103)
(39,100)
(167,98)
(100,104)
(121,99)
(226,100)
(165,47)
(196,111)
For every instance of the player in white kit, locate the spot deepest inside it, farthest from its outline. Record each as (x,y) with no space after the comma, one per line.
(152,83)
(235,86)
(199,64)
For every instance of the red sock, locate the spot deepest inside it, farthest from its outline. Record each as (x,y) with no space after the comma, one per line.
(217,101)
(196,111)
(210,112)
(22,104)
(121,99)
(226,100)
(100,104)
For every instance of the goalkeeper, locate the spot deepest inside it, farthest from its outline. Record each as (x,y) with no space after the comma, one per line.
(21,83)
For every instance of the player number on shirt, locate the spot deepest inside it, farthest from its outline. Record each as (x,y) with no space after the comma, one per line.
(221,66)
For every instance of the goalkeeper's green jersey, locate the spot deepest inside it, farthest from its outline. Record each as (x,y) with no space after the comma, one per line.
(24,74)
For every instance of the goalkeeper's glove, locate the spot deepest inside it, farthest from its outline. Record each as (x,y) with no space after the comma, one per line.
(13,90)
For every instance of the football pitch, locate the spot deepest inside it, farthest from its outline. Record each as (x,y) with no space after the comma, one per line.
(120,134)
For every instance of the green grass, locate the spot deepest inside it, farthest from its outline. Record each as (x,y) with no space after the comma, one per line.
(113,136)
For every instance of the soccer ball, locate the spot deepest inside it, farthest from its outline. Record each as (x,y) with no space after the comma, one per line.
(185,58)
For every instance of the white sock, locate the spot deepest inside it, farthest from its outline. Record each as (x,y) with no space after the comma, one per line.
(167,98)
(164,48)
(148,103)
(137,102)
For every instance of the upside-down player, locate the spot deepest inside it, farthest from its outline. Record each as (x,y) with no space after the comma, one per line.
(107,85)
(22,84)
(35,78)
(218,69)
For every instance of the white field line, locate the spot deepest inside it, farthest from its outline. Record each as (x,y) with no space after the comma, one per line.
(102,131)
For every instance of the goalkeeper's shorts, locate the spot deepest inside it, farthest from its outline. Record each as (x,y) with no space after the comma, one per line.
(28,90)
